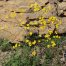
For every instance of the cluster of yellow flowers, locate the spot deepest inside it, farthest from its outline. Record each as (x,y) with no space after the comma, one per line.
(56,36)
(55,21)
(16,45)
(53,44)
(41,22)
(52,19)
(30,43)
(35,7)
(59,23)
(48,34)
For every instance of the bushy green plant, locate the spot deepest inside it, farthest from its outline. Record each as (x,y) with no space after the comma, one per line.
(4,45)
(23,58)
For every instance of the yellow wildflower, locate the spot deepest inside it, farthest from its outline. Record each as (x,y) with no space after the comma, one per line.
(42,27)
(12,14)
(30,33)
(54,37)
(47,36)
(53,42)
(27,41)
(57,36)
(35,6)
(48,46)
(45,10)
(44,22)
(41,18)
(50,32)
(13,47)
(53,45)
(28,25)
(34,53)
(16,45)
(52,19)
(35,23)
(36,9)
(57,25)
(31,23)
(34,42)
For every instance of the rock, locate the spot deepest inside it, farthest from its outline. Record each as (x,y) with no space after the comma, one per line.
(60,12)
(65,13)
(64,0)
(62,6)
(52,1)
(62,27)
(45,13)
(15,12)
(62,60)
(42,2)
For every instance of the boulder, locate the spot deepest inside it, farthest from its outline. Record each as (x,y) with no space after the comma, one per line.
(16,15)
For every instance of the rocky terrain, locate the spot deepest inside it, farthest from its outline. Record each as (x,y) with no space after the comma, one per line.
(21,18)
(15,15)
